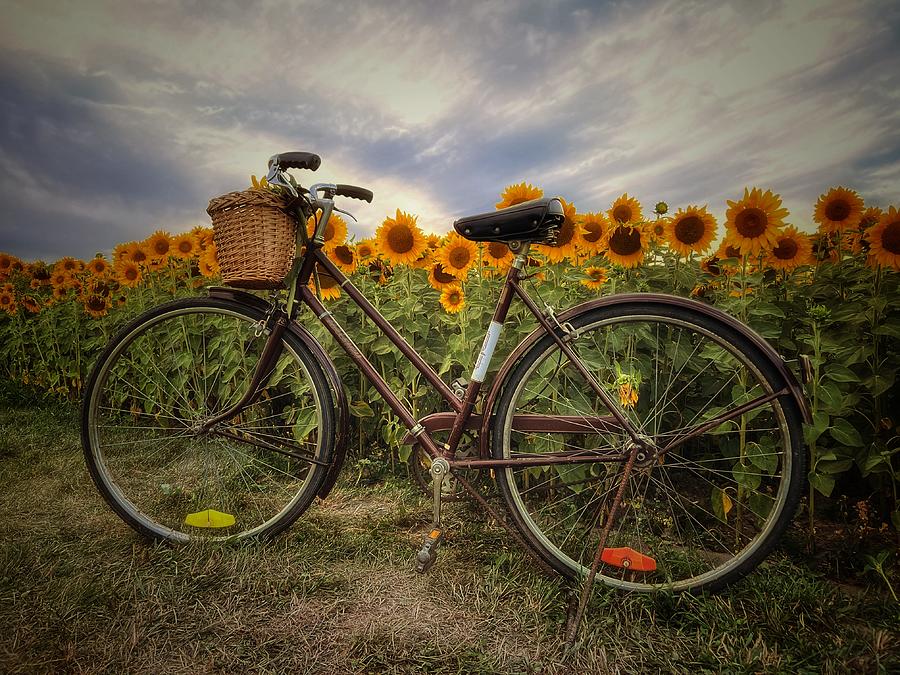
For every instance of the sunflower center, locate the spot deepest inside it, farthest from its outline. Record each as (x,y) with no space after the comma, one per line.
(96,303)
(837,210)
(131,273)
(496,250)
(786,250)
(596,275)
(732,251)
(185,246)
(138,256)
(751,222)
(566,232)
(400,239)
(161,246)
(890,239)
(689,230)
(625,241)
(329,231)
(622,213)
(593,232)
(454,298)
(327,281)
(441,276)
(459,257)
(344,254)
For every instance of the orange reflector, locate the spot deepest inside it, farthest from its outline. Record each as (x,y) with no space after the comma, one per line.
(628,558)
(434,534)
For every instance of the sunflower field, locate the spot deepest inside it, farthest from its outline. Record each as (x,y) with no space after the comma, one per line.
(833,295)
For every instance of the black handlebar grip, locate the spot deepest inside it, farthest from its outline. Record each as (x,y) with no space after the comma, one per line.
(354,192)
(297,160)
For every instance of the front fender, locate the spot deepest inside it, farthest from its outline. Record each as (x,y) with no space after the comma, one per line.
(625,298)
(342,435)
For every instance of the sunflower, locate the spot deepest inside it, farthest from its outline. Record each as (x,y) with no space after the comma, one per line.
(344,257)
(625,210)
(6,263)
(158,246)
(457,255)
(60,279)
(884,239)
(596,277)
(855,240)
(209,263)
(567,238)
(754,222)
(628,395)
(328,286)
(453,299)
(434,241)
(96,305)
(593,231)
(60,292)
(128,273)
(518,193)
(710,265)
(624,245)
(31,304)
(792,250)
(691,230)
(496,255)
(365,249)
(134,252)
(656,230)
(69,265)
(8,298)
(204,236)
(98,266)
(838,209)
(335,232)
(399,239)
(439,279)
(185,245)
(40,274)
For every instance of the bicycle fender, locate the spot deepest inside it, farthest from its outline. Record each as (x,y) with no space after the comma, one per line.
(336,460)
(745,331)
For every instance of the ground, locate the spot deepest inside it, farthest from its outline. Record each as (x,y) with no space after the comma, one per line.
(80,592)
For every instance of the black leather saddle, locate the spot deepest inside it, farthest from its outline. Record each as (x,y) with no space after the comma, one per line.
(536,221)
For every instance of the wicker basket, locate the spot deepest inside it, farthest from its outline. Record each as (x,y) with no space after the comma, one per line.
(255,239)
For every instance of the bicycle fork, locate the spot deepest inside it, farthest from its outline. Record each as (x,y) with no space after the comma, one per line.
(440,470)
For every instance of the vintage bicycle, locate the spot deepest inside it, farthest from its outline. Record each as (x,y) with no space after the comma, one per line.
(648,439)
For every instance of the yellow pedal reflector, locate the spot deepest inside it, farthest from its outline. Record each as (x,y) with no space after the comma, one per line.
(209,518)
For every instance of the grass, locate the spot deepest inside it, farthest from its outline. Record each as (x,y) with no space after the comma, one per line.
(80,592)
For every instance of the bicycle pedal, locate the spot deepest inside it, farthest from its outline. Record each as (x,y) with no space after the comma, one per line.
(428,553)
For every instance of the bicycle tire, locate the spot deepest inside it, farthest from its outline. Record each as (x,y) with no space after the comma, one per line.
(673,516)
(172,367)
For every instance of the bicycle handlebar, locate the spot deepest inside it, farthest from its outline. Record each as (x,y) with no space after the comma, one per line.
(354,192)
(296,160)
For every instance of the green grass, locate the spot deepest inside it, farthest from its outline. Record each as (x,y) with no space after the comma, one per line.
(80,592)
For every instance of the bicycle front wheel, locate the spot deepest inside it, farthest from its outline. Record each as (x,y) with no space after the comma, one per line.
(707,502)
(149,393)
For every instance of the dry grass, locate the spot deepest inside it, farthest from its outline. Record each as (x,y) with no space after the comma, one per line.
(79,592)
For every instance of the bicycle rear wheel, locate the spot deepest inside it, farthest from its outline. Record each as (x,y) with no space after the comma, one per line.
(698,515)
(159,379)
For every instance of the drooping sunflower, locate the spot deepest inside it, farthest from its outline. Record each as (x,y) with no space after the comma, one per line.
(754,222)
(792,250)
(439,279)
(593,231)
(328,286)
(457,255)
(568,237)
(208,262)
(185,245)
(711,266)
(624,245)
(691,230)
(128,273)
(838,209)
(596,277)
(884,240)
(96,305)
(335,232)
(625,210)
(496,255)
(344,256)
(98,266)
(158,246)
(399,239)
(518,193)
(365,249)
(31,304)
(40,274)
(855,240)
(453,299)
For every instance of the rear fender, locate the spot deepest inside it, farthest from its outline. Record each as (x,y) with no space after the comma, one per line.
(497,385)
(336,458)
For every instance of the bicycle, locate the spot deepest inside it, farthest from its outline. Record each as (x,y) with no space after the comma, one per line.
(649,439)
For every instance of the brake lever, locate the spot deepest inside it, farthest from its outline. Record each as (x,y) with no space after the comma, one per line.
(346,213)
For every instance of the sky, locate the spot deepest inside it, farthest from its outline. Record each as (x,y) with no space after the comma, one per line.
(118,119)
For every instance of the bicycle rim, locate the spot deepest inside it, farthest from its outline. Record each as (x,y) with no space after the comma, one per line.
(164,375)
(696,516)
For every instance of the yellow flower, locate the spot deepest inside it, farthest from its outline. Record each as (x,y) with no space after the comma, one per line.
(754,222)
(497,255)
(792,250)
(96,306)
(329,287)
(656,230)
(625,210)
(69,265)
(884,240)
(158,246)
(120,252)
(31,304)
(453,299)
(185,245)
(6,263)
(597,276)
(98,266)
(344,257)
(624,245)
(134,252)
(593,231)
(691,230)
(399,239)
(60,279)
(365,249)
(434,241)
(838,209)
(439,279)
(8,299)
(518,193)
(628,395)
(204,236)
(335,232)
(568,237)
(209,263)
(128,273)
(457,255)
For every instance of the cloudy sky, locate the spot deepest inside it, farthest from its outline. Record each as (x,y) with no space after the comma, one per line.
(117,119)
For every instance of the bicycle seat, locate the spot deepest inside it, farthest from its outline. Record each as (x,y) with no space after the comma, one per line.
(537,221)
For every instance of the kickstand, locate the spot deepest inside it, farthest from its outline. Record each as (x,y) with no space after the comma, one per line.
(574,624)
